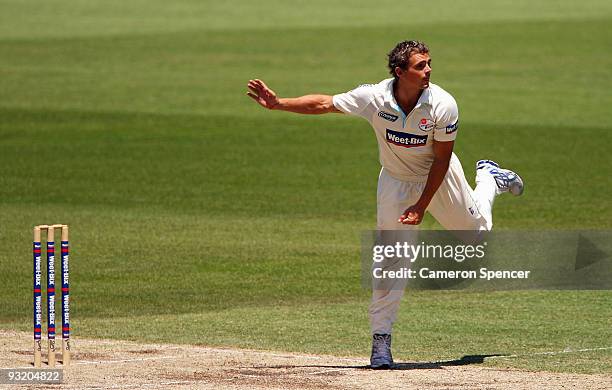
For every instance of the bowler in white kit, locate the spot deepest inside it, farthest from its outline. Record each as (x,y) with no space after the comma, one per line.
(416,123)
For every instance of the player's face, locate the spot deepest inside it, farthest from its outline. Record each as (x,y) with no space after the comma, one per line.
(418,71)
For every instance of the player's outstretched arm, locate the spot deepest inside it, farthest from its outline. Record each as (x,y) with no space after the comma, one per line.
(307,104)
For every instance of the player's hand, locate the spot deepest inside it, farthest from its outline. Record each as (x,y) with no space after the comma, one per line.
(412,216)
(263,95)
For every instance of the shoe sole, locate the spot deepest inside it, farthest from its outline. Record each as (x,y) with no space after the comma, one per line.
(384,366)
(518,187)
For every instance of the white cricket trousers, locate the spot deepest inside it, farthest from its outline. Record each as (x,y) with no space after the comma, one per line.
(455,206)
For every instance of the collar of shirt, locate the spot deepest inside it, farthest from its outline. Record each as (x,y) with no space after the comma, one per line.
(425,98)
(389,98)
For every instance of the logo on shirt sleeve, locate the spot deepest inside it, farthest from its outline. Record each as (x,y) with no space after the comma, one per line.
(452,128)
(406,140)
(387,116)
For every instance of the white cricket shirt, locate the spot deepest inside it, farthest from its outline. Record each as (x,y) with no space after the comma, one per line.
(405,142)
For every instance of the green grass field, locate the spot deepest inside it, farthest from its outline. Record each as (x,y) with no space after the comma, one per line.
(198,217)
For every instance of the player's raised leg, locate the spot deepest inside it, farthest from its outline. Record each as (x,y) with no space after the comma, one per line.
(457,207)
(505,179)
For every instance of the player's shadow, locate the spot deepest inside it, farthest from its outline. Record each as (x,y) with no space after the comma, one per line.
(464,361)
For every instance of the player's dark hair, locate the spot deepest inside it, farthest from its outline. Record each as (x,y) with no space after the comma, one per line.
(399,56)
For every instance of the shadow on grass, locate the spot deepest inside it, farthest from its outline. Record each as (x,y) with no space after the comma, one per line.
(464,361)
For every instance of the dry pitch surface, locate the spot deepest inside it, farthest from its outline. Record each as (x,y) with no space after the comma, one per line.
(110,364)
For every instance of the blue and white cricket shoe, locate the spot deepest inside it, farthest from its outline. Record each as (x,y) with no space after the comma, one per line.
(381,352)
(506,180)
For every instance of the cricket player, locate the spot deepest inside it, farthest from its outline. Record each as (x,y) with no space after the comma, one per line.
(416,123)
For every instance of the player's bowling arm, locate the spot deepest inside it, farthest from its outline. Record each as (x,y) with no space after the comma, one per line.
(442,154)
